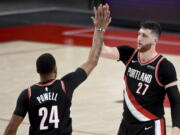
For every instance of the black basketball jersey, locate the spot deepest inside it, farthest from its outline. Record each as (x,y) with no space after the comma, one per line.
(49,108)
(143,95)
(48,104)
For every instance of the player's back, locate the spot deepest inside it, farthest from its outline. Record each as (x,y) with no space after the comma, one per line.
(49,109)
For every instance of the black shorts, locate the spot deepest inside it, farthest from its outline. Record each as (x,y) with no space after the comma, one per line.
(154,127)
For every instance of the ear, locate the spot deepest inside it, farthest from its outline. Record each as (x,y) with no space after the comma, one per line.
(156,39)
(55,69)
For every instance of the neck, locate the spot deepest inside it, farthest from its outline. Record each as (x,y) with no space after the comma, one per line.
(45,78)
(146,56)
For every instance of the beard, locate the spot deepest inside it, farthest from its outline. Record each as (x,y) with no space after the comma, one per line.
(144,48)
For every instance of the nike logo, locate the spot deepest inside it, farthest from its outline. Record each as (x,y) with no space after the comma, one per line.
(134,61)
(147,128)
(46,88)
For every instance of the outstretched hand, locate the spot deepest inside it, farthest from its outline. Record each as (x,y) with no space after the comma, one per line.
(101,17)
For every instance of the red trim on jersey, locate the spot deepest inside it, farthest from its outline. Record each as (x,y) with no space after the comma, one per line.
(149,61)
(63,86)
(156,72)
(29,93)
(131,57)
(162,126)
(45,84)
(174,83)
(137,105)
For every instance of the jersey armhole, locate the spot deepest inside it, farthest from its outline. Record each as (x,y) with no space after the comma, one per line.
(63,86)
(29,93)
(156,72)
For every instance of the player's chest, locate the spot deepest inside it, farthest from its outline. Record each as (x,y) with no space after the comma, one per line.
(138,72)
(141,79)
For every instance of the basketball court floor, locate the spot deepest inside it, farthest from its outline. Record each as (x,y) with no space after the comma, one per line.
(97,103)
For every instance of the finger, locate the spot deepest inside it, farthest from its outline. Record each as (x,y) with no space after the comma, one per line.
(93,19)
(95,12)
(105,13)
(110,19)
(108,11)
(108,15)
(100,11)
(107,6)
(105,10)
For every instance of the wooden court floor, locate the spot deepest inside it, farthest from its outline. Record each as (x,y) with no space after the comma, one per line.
(95,110)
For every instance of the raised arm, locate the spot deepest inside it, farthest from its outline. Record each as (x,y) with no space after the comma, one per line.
(101,21)
(110,52)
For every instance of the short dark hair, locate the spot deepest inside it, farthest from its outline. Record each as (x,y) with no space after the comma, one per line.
(152,25)
(45,63)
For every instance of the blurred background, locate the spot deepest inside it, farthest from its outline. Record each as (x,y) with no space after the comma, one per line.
(64,28)
(125,13)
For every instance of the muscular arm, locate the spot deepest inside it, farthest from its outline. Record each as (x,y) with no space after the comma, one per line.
(122,52)
(101,21)
(110,52)
(19,114)
(13,125)
(93,58)
(174,98)
(168,77)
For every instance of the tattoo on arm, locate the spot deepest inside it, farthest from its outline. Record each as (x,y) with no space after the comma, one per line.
(99,48)
(94,52)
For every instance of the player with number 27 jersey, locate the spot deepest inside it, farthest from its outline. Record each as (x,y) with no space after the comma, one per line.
(144,92)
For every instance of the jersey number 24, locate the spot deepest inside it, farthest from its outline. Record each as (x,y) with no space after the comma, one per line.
(43,111)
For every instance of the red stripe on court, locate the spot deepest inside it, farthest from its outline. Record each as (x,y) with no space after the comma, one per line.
(82,36)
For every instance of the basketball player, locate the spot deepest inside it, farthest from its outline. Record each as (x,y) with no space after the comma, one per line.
(149,76)
(48,102)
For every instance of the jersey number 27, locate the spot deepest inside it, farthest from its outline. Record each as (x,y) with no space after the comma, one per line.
(140,89)
(43,111)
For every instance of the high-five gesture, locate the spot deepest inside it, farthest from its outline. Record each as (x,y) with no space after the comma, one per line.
(102,17)
(62,89)
(101,21)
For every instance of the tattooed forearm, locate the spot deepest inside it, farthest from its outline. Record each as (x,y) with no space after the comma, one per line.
(100,43)
(101,21)
(94,52)
(96,47)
